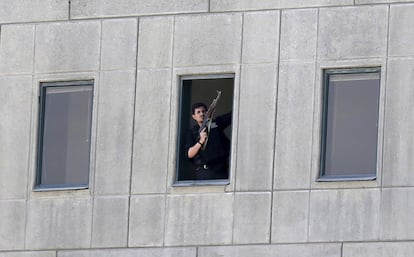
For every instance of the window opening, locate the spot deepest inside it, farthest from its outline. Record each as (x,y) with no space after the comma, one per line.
(204,156)
(64,140)
(350,124)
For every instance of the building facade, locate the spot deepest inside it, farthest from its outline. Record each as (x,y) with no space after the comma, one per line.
(277,200)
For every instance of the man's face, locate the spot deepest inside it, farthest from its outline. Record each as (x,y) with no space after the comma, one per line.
(199,113)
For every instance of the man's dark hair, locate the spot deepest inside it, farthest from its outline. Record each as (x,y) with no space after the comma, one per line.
(197,105)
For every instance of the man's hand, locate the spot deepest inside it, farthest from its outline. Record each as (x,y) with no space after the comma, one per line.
(203,136)
(192,151)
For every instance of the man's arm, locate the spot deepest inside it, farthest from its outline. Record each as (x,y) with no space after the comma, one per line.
(223,121)
(193,151)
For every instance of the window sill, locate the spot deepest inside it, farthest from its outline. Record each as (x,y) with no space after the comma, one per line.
(62,188)
(189,183)
(346,178)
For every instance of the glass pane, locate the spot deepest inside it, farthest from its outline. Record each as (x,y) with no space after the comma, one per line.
(66,135)
(352,124)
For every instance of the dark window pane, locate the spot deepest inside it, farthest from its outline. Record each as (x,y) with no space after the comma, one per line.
(351,124)
(66,135)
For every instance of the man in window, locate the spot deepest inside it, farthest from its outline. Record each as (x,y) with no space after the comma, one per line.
(209,152)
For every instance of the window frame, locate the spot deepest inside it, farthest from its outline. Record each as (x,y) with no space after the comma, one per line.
(325,95)
(213,182)
(38,186)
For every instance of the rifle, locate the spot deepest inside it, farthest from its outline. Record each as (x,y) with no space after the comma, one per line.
(208,118)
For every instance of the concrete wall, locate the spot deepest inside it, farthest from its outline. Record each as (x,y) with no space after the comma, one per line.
(135,51)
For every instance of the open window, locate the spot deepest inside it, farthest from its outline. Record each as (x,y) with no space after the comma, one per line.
(211,163)
(64,135)
(350,124)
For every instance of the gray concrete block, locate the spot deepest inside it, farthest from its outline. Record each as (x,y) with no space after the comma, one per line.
(200,219)
(131,252)
(97,8)
(353,32)
(13,11)
(401,30)
(59,223)
(67,46)
(380,1)
(29,254)
(15,112)
(114,132)
(151,135)
(234,251)
(293,155)
(207,39)
(280,250)
(246,5)
(256,132)
(119,44)
(252,218)
(110,221)
(397,210)
(378,249)
(12,224)
(146,221)
(260,37)
(16,49)
(155,42)
(306,250)
(290,216)
(298,34)
(399,119)
(344,215)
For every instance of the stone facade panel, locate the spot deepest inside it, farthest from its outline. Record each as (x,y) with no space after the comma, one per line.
(207,39)
(401,30)
(397,210)
(12,224)
(15,110)
(146,226)
(114,132)
(16,49)
(293,155)
(204,219)
(251,218)
(352,32)
(65,47)
(298,34)
(247,5)
(155,42)
(290,216)
(399,119)
(344,215)
(59,223)
(29,254)
(119,44)
(291,250)
(110,222)
(12,11)
(382,249)
(151,133)
(381,1)
(261,42)
(132,252)
(257,127)
(81,9)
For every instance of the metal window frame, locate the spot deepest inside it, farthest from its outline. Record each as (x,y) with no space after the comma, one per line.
(40,135)
(325,93)
(186,183)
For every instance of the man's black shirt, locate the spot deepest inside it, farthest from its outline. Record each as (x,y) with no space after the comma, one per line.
(217,150)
